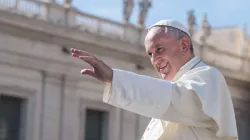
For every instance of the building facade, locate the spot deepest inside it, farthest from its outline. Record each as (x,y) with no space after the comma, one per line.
(44,97)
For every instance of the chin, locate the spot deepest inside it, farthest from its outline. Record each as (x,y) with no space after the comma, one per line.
(165,77)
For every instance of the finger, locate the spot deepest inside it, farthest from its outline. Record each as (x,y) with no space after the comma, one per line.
(76,55)
(80,52)
(90,60)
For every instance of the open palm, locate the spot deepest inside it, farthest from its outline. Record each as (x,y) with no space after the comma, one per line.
(99,70)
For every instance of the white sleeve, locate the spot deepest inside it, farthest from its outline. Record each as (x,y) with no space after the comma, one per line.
(139,94)
(195,99)
(152,97)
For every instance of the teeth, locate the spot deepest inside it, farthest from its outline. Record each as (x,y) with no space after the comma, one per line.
(163,66)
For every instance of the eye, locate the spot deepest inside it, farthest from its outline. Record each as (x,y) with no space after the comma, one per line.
(150,54)
(160,49)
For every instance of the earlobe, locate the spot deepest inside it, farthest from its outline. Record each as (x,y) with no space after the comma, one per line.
(183,48)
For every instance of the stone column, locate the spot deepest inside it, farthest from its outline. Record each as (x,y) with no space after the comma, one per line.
(51,109)
(16,4)
(67,6)
(245,42)
(70,110)
(56,13)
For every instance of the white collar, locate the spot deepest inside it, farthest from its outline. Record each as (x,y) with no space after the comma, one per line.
(186,67)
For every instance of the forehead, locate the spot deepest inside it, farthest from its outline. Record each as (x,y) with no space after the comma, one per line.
(154,36)
(155,33)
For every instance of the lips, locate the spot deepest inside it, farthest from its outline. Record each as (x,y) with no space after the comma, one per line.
(161,67)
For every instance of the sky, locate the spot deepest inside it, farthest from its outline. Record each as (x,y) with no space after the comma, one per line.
(220,13)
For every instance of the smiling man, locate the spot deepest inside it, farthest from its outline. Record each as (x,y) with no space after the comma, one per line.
(169,48)
(190,102)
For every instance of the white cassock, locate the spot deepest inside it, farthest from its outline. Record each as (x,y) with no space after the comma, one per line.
(195,105)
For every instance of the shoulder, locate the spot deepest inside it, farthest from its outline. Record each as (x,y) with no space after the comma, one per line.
(205,72)
(204,69)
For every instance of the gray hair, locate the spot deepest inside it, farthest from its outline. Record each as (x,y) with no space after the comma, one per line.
(178,34)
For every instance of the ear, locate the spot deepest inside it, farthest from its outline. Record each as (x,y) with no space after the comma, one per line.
(185,44)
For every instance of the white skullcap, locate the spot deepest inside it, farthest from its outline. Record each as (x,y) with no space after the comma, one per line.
(171,23)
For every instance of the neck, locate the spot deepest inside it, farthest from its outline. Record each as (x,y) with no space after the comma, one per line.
(188,58)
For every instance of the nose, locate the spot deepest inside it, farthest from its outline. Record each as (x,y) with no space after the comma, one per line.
(155,60)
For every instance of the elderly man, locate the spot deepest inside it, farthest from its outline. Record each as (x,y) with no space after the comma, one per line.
(190,102)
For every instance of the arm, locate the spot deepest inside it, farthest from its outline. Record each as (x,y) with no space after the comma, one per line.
(139,94)
(199,99)
(153,97)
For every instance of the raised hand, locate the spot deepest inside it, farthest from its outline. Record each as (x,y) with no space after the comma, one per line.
(100,70)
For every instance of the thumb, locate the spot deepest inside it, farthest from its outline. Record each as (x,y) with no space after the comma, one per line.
(88,72)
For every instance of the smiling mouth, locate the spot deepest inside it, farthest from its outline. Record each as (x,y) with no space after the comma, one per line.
(160,69)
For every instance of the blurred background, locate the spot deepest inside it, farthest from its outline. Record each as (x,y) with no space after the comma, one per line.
(44,97)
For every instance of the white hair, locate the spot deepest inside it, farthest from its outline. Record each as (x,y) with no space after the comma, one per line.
(178,34)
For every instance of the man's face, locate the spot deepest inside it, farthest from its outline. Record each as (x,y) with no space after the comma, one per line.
(165,52)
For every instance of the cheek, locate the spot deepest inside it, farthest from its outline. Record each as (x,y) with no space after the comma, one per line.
(172,58)
(174,55)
